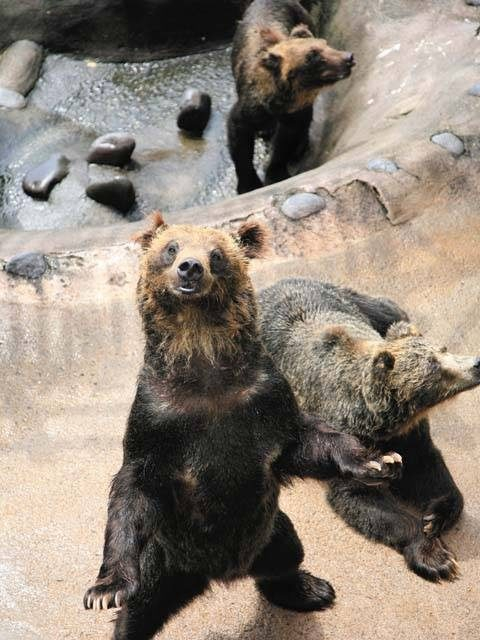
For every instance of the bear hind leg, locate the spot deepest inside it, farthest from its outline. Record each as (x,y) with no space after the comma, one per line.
(145,614)
(278,577)
(379,516)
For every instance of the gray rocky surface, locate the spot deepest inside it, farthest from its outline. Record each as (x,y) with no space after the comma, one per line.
(29,265)
(301,205)
(20,65)
(112,148)
(10,99)
(40,180)
(110,187)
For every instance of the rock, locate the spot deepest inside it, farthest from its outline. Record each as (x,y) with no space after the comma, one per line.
(109,187)
(195,110)
(473,3)
(112,148)
(450,142)
(382,165)
(301,205)
(27,265)
(475,89)
(20,65)
(11,99)
(40,180)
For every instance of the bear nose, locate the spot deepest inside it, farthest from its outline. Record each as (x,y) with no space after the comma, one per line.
(190,269)
(350,59)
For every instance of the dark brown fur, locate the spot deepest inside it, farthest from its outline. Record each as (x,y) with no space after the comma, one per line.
(213,434)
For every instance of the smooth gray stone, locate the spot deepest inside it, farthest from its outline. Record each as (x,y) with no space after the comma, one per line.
(112,148)
(195,110)
(40,180)
(475,89)
(450,142)
(382,165)
(110,187)
(301,205)
(473,3)
(20,65)
(27,265)
(10,99)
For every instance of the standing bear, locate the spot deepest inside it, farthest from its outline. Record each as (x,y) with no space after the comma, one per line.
(356,361)
(213,434)
(279,68)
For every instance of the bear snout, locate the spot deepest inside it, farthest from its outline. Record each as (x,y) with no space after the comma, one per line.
(190,274)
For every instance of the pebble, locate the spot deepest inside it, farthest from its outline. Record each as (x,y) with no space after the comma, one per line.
(382,165)
(195,110)
(112,148)
(473,3)
(450,142)
(40,180)
(11,99)
(475,89)
(301,205)
(20,65)
(109,187)
(27,265)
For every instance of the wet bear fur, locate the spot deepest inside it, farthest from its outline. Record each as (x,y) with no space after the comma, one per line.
(279,68)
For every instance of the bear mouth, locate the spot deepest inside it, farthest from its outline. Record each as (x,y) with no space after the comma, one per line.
(188,289)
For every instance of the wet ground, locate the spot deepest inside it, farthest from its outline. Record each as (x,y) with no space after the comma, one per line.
(77,100)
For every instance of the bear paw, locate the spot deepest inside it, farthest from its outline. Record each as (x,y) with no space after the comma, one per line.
(106,594)
(298,592)
(430,559)
(439,516)
(380,469)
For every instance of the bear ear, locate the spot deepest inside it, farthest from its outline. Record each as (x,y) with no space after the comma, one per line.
(270,37)
(375,388)
(272,62)
(144,238)
(333,335)
(301,31)
(383,361)
(402,329)
(252,237)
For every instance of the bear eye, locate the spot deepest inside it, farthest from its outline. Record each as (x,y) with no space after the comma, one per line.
(172,250)
(314,56)
(169,253)
(217,260)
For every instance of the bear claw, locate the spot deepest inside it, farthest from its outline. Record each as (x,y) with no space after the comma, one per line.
(103,596)
(430,559)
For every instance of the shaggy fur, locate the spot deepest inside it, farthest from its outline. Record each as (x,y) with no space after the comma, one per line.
(356,361)
(213,434)
(279,68)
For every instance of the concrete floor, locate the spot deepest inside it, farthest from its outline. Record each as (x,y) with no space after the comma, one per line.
(70,349)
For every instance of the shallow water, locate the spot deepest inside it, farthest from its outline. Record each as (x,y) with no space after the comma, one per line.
(75,100)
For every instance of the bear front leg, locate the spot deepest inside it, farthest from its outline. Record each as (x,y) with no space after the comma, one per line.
(379,516)
(322,452)
(241,144)
(427,482)
(289,143)
(278,576)
(130,519)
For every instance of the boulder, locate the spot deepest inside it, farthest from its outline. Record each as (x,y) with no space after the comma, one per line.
(110,187)
(112,148)
(20,65)
(40,180)
(195,110)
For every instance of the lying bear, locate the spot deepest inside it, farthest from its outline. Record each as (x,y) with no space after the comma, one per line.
(279,68)
(357,362)
(213,434)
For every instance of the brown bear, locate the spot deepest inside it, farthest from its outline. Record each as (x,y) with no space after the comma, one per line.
(356,361)
(213,433)
(279,68)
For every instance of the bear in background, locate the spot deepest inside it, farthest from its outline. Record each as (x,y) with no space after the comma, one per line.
(213,434)
(356,362)
(279,68)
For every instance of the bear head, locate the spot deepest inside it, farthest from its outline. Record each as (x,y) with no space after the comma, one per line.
(303,61)
(194,290)
(408,374)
